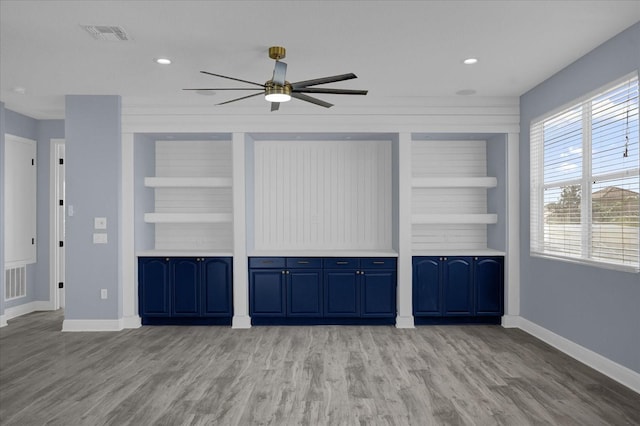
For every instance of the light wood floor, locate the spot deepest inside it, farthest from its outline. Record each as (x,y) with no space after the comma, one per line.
(322,375)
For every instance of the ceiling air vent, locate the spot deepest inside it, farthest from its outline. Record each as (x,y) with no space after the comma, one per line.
(106,32)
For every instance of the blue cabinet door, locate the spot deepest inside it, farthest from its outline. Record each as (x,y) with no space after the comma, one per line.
(267,293)
(341,293)
(154,291)
(457,284)
(216,286)
(489,279)
(304,293)
(378,289)
(427,286)
(185,277)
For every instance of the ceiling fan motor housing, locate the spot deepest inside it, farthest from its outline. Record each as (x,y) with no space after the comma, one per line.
(277,52)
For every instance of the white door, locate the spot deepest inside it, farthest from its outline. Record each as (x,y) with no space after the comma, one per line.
(59,219)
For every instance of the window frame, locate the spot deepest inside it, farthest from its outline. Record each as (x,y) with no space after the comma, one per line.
(538,185)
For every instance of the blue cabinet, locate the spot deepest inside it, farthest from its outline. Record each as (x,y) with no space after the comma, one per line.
(185,290)
(457,286)
(489,279)
(427,286)
(341,293)
(154,293)
(267,293)
(458,289)
(322,290)
(280,287)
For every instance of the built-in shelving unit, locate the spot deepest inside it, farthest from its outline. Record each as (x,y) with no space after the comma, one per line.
(449,185)
(192,195)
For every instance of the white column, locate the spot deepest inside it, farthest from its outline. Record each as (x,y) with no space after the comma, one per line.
(405,285)
(128,275)
(241,317)
(512,259)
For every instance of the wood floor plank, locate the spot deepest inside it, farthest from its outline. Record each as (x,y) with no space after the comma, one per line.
(316,375)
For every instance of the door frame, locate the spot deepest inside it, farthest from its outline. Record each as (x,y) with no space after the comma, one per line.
(56,232)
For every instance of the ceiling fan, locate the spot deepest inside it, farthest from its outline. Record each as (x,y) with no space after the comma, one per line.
(279,90)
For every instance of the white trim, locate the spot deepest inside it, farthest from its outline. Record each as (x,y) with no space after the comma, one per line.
(405,322)
(128,279)
(512,249)
(241,321)
(131,322)
(53,221)
(93,325)
(26,308)
(615,371)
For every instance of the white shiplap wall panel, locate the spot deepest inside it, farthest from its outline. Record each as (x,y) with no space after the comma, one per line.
(439,237)
(432,158)
(194,159)
(458,160)
(194,236)
(322,195)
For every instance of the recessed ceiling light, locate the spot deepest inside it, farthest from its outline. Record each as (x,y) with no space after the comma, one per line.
(470,61)
(163,61)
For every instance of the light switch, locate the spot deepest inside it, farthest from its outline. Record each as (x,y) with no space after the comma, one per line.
(100,222)
(100,238)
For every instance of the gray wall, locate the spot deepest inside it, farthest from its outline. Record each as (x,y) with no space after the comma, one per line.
(93,176)
(593,307)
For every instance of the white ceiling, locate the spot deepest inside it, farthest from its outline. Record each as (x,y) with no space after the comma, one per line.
(400,50)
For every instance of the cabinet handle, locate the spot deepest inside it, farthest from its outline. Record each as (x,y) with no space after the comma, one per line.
(267,262)
(342,263)
(287,272)
(166,259)
(303,262)
(378,262)
(475,258)
(282,272)
(445,258)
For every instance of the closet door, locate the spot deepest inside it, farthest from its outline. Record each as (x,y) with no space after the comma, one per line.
(20,201)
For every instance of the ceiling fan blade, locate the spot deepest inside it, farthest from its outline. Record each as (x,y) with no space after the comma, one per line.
(279,73)
(310,99)
(275,106)
(232,78)
(239,99)
(330,91)
(323,80)
(227,88)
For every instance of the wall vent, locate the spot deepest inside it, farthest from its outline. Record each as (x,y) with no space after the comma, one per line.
(15,282)
(107,32)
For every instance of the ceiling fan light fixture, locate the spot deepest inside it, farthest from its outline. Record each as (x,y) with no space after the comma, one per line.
(274,93)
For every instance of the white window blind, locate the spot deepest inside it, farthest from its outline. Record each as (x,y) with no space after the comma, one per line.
(585,179)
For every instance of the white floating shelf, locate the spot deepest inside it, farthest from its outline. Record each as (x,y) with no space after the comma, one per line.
(188,182)
(188,217)
(486,218)
(454,182)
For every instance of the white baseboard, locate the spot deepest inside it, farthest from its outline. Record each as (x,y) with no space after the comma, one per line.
(241,322)
(615,371)
(93,325)
(511,321)
(25,308)
(131,322)
(405,322)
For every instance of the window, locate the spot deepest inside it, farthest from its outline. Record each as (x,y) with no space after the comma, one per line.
(585,180)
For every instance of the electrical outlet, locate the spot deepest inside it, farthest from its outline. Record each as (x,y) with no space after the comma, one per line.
(103,293)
